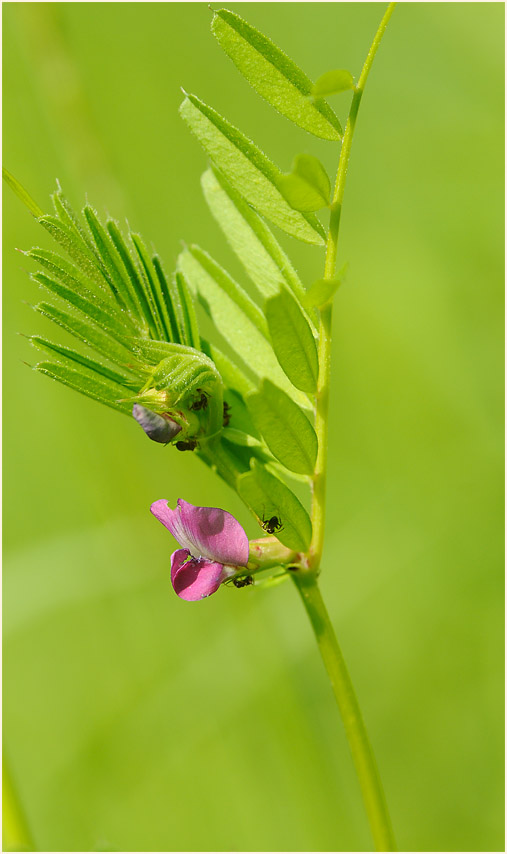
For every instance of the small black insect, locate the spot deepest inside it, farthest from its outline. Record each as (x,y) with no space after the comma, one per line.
(272,525)
(227,414)
(190,445)
(201,402)
(242,581)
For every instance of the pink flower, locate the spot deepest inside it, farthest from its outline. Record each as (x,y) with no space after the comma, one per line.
(213,544)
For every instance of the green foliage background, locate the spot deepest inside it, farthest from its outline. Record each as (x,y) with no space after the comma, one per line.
(136,721)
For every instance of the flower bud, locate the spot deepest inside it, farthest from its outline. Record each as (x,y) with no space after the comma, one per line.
(159,428)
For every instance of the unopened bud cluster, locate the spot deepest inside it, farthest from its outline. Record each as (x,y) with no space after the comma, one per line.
(182,399)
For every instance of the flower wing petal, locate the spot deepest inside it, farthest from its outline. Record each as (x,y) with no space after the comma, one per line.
(195,579)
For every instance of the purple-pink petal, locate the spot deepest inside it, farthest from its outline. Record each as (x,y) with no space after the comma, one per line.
(207,532)
(159,428)
(194,579)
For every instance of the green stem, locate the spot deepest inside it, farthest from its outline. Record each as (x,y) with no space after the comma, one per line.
(322,409)
(362,754)
(306,579)
(15,831)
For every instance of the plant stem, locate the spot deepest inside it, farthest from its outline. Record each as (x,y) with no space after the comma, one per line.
(322,409)
(362,754)
(306,579)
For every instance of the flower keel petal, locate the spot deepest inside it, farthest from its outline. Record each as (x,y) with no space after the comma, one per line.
(195,579)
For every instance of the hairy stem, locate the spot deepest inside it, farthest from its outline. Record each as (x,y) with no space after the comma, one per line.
(362,754)
(322,409)
(306,580)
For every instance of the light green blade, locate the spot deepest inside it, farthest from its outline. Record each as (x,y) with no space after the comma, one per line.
(248,169)
(234,324)
(293,341)
(307,187)
(87,383)
(274,76)
(250,237)
(268,496)
(289,435)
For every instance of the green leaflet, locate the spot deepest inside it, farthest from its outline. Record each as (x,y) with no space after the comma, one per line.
(72,280)
(249,171)
(191,329)
(333,82)
(237,387)
(250,238)
(74,360)
(88,333)
(273,75)
(268,496)
(143,297)
(21,193)
(218,295)
(153,285)
(232,375)
(322,291)
(73,277)
(234,291)
(293,341)
(307,187)
(77,249)
(239,416)
(86,382)
(118,281)
(68,217)
(231,321)
(289,435)
(90,307)
(154,352)
(238,437)
(173,300)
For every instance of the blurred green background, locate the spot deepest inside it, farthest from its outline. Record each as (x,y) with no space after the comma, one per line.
(133,720)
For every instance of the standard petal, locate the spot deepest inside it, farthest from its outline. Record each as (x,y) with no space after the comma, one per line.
(205,531)
(169,518)
(213,533)
(195,579)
